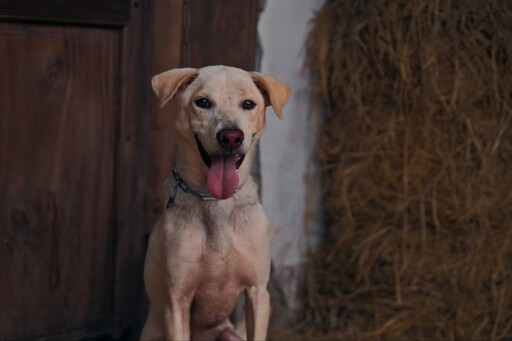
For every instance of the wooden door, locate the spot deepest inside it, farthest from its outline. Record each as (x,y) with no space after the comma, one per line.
(57,147)
(66,128)
(84,148)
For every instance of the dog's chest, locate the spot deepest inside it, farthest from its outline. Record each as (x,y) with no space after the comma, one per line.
(226,268)
(223,252)
(220,280)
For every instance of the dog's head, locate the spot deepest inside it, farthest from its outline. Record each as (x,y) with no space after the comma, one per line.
(222,112)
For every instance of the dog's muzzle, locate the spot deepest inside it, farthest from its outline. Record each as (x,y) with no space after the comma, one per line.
(207,159)
(222,178)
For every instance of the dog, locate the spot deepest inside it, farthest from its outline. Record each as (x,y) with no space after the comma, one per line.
(212,244)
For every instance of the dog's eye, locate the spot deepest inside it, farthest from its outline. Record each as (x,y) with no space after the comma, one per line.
(203,103)
(248,105)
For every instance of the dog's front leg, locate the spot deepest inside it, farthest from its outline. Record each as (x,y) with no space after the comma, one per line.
(177,318)
(257,312)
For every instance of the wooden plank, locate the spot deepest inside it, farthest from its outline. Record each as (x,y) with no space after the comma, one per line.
(57,138)
(89,12)
(220,32)
(132,173)
(166,47)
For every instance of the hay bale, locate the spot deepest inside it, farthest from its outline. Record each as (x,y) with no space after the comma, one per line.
(416,159)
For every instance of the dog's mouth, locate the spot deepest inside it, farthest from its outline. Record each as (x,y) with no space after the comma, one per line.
(239,158)
(222,176)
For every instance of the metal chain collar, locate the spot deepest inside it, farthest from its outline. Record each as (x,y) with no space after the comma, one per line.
(180,183)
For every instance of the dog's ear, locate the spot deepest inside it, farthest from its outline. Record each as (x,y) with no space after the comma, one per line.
(167,84)
(275,92)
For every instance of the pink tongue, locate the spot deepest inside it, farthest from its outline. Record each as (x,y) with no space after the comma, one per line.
(223,177)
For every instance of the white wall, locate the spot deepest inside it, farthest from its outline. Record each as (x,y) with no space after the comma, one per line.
(287,144)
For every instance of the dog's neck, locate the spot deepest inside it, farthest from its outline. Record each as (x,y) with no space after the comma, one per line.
(181,184)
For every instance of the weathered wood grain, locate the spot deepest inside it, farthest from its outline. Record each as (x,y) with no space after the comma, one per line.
(166,50)
(57,145)
(220,33)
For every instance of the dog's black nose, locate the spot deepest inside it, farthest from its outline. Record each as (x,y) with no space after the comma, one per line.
(230,139)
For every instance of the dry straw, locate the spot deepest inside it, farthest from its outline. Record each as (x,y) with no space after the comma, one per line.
(416,160)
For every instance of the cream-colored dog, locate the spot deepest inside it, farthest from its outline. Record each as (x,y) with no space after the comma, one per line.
(212,242)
